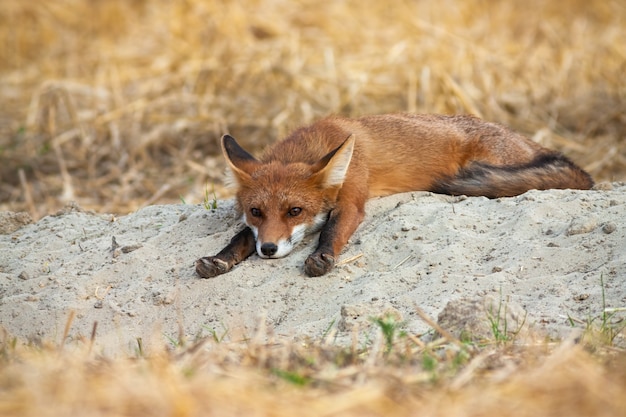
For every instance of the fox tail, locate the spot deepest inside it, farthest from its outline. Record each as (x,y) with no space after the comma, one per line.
(546,171)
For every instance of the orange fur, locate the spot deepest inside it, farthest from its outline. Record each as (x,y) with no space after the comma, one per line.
(321,175)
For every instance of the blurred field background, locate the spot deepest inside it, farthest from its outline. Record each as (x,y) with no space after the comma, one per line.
(117,104)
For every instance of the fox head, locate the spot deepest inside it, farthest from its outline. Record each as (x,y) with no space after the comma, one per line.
(282,201)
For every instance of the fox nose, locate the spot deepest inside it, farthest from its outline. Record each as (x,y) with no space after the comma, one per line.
(269,249)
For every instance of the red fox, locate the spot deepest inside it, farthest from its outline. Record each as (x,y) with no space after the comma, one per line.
(319,177)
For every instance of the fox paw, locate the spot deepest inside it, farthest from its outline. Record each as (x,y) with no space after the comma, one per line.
(318,264)
(210,266)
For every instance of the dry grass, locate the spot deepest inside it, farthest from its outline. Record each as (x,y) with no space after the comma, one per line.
(117,104)
(284,378)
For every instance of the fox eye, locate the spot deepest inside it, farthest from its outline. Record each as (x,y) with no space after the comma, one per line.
(255,212)
(294,211)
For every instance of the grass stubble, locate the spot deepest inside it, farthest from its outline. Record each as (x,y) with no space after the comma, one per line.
(395,373)
(117,105)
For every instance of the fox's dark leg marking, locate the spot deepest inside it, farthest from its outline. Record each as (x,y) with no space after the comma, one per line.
(240,247)
(333,237)
(323,259)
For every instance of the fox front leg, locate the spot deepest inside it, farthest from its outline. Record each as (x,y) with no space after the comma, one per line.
(333,237)
(240,247)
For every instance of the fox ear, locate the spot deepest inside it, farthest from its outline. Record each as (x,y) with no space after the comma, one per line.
(240,162)
(332,168)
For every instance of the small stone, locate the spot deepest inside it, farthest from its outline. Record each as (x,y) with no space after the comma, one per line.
(473,318)
(609,228)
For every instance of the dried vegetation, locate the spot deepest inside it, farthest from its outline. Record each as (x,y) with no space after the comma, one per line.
(118,104)
(268,376)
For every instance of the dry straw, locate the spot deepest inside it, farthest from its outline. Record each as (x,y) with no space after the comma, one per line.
(117,104)
(266,376)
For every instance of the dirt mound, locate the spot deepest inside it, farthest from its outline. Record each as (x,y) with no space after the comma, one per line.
(546,251)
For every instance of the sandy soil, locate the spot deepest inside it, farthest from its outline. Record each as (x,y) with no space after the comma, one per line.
(543,252)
